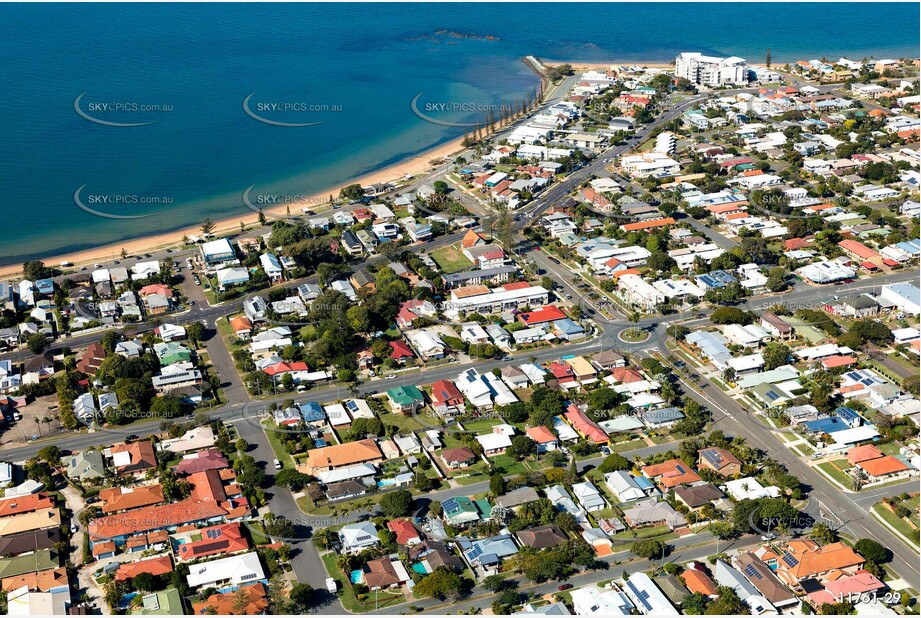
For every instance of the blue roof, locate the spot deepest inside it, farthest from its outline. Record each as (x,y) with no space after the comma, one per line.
(312,411)
(643,482)
(847,415)
(912,247)
(826,425)
(568,327)
(45,286)
(710,281)
(723,276)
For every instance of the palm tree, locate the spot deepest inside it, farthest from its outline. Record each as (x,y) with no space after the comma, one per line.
(38,423)
(634,317)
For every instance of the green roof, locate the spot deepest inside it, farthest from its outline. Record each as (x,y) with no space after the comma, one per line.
(460,504)
(405,395)
(484,507)
(163,603)
(41,560)
(810,333)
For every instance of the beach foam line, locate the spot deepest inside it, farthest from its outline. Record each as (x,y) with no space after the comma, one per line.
(155,242)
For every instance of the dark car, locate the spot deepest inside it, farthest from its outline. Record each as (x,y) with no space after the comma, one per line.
(565,587)
(553,259)
(132,437)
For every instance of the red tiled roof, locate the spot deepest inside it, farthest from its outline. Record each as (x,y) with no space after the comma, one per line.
(153,518)
(223,539)
(400,350)
(857,248)
(25,504)
(794,244)
(882,466)
(279,368)
(671,473)
(838,361)
(142,456)
(863,453)
(586,426)
(208,459)
(698,581)
(541,434)
(444,392)
(227,603)
(542,315)
(516,285)
(625,375)
(404,529)
(159,565)
(122,499)
(646,225)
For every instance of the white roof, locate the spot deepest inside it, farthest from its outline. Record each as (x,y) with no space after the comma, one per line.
(494,441)
(238,569)
(218,247)
(746,363)
(750,488)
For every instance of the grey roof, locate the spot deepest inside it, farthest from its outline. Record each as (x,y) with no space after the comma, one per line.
(473,274)
(517,497)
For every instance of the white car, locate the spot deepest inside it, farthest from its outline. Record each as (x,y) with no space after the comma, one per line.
(390,378)
(277,464)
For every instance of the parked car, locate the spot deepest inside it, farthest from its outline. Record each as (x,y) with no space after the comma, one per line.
(277,464)
(565,586)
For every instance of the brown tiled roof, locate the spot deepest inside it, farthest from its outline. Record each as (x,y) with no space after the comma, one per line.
(142,456)
(43,581)
(380,573)
(25,504)
(158,565)
(542,537)
(122,498)
(698,581)
(459,454)
(208,459)
(340,455)
(223,539)
(153,518)
(225,604)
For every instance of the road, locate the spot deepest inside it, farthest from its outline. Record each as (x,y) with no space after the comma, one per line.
(852,510)
(693,547)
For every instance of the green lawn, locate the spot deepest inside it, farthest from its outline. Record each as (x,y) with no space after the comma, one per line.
(450,260)
(347,595)
(480,426)
(889,448)
(898,523)
(275,440)
(408,423)
(506,465)
(631,445)
(835,469)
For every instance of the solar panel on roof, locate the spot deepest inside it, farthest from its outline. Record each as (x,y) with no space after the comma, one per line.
(750,571)
(789,560)
(772,395)
(475,553)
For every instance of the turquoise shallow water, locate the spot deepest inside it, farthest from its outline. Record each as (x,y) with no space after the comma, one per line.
(362,63)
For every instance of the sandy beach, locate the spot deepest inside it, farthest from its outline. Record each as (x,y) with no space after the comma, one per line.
(147,244)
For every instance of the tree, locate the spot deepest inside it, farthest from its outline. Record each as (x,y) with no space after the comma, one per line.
(279,526)
(35,269)
(497,583)
(398,503)
(145,582)
(522,446)
(613,463)
(302,595)
(207,227)
(195,332)
(727,603)
(695,604)
(241,445)
(872,551)
(648,548)
(441,583)
(352,193)
(36,343)
(822,534)
(730,315)
(660,262)
(775,355)
(292,479)
(51,454)
(497,484)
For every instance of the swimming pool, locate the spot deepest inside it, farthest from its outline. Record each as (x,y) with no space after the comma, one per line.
(420,568)
(355,576)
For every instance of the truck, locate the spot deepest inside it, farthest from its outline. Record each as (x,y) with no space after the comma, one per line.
(331,585)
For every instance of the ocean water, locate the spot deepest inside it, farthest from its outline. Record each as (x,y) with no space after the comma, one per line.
(362,64)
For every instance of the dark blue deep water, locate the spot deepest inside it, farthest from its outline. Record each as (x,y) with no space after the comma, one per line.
(199,61)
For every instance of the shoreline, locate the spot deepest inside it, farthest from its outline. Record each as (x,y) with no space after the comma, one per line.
(149,243)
